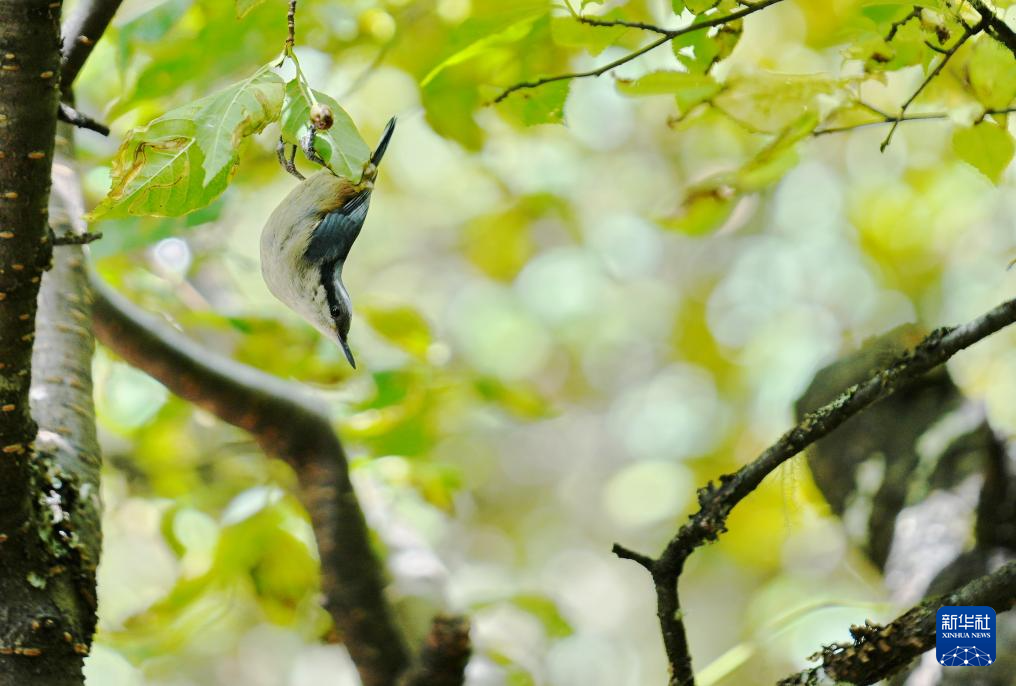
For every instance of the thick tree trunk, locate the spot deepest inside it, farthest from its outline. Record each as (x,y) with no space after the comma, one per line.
(49,530)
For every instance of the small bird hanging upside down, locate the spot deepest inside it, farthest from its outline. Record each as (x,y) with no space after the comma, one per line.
(307,238)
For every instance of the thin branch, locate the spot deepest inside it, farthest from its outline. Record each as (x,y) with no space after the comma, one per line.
(83,238)
(592,21)
(915,13)
(81,32)
(878,652)
(967,33)
(667,36)
(997,27)
(628,554)
(889,119)
(716,501)
(291,27)
(68,114)
(293,426)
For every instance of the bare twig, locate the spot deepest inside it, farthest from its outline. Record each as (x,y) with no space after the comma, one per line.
(889,119)
(915,13)
(878,652)
(68,114)
(592,21)
(666,37)
(80,34)
(291,26)
(82,238)
(717,500)
(947,55)
(291,425)
(996,26)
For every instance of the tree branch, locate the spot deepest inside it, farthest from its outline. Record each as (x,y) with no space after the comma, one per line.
(68,114)
(666,37)
(81,32)
(445,652)
(946,56)
(291,26)
(717,501)
(997,28)
(644,26)
(46,571)
(82,238)
(289,424)
(878,652)
(889,119)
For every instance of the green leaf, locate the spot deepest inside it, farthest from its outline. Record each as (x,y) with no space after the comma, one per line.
(992,73)
(154,173)
(449,102)
(227,117)
(773,102)
(696,50)
(688,89)
(525,402)
(341,146)
(568,32)
(678,6)
(699,6)
(477,36)
(704,210)
(401,325)
(777,158)
(987,147)
(245,6)
(543,105)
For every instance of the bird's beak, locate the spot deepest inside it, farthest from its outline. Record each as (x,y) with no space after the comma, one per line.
(349,353)
(379,152)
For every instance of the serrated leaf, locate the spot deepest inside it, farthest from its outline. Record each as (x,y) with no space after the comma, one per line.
(688,89)
(341,146)
(243,7)
(544,105)
(227,117)
(987,147)
(152,172)
(155,171)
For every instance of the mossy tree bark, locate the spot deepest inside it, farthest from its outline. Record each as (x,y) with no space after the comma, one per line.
(49,459)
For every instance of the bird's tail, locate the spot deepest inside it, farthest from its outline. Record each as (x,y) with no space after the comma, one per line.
(379,152)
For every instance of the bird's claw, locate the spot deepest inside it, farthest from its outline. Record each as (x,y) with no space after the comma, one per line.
(307,145)
(288,163)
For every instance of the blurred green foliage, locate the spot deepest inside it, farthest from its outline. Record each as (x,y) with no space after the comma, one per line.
(573,307)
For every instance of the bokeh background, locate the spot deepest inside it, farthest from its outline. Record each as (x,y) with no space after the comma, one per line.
(547,365)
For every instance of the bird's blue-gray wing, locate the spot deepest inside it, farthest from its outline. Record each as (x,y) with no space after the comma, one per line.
(335,233)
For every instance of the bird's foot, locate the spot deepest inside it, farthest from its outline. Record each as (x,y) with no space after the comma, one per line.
(307,145)
(288,163)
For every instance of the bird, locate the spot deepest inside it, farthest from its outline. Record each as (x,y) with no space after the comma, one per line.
(307,238)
